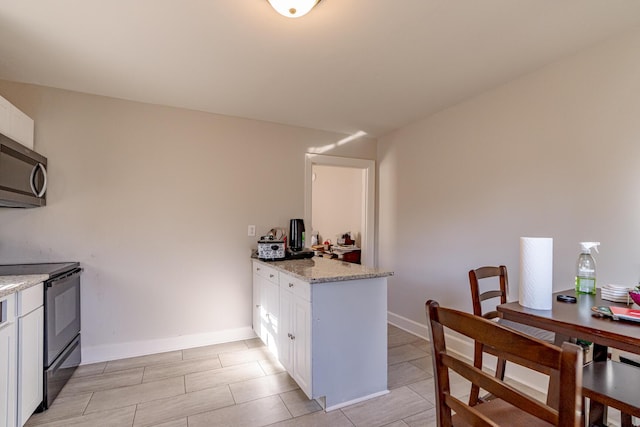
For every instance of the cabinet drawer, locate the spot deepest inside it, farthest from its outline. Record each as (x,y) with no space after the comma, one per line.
(30,299)
(299,287)
(265,271)
(7,310)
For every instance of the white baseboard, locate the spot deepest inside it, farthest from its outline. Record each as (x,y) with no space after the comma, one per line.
(358,400)
(103,353)
(463,347)
(409,325)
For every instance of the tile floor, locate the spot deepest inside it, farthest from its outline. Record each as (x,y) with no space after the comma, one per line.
(235,384)
(238,384)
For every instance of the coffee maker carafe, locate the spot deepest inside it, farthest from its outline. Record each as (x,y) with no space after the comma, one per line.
(296,235)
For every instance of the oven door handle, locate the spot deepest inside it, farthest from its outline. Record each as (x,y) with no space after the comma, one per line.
(73,272)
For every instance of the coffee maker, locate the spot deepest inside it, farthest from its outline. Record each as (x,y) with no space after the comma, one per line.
(296,249)
(296,235)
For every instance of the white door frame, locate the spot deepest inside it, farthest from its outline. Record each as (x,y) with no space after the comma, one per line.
(368,168)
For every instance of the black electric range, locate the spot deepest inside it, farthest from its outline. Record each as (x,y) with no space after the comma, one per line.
(53,269)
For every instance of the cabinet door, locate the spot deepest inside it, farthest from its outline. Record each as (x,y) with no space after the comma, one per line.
(272,301)
(8,389)
(285,353)
(256,306)
(263,315)
(302,344)
(5,114)
(21,127)
(268,312)
(30,363)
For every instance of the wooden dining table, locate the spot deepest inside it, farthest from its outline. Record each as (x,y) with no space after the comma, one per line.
(576,320)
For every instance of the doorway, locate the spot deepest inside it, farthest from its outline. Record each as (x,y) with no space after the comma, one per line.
(365,169)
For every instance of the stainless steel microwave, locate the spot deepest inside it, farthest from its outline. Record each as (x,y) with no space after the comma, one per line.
(23,176)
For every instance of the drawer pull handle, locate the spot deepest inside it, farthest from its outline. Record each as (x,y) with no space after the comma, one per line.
(271,276)
(291,285)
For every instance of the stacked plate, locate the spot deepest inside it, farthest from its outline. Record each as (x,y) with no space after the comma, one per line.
(615,293)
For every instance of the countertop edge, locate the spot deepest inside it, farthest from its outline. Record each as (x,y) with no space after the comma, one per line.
(345,278)
(373,274)
(19,283)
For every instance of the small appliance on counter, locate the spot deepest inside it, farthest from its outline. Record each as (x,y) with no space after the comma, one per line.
(296,235)
(301,254)
(272,246)
(296,248)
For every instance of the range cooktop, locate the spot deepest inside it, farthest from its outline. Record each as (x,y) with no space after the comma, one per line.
(52,268)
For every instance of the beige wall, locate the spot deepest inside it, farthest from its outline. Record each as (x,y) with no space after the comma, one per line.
(155,202)
(553,154)
(337,202)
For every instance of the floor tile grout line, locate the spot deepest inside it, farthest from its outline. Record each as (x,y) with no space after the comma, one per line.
(346,416)
(84,410)
(285,406)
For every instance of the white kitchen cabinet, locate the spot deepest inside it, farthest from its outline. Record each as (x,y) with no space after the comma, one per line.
(332,327)
(267,305)
(30,351)
(15,124)
(8,364)
(5,116)
(295,330)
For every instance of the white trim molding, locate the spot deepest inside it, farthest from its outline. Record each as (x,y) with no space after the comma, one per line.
(104,353)
(368,168)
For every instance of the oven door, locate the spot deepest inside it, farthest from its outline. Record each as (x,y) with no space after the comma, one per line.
(62,313)
(57,375)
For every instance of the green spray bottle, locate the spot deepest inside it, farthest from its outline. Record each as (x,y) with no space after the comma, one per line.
(586,269)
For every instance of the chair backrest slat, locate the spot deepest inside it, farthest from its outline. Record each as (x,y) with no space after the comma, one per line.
(500,389)
(467,324)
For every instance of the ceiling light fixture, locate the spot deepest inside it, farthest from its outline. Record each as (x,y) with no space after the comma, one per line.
(293,8)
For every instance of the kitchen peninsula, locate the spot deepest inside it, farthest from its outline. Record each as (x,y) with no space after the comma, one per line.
(326,322)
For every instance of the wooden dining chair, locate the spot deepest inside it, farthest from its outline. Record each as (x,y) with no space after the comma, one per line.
(491,284)
(511,406)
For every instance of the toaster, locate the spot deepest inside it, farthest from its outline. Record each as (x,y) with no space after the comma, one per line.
(269,249)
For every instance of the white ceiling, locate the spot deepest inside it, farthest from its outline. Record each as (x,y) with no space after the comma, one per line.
(348,66)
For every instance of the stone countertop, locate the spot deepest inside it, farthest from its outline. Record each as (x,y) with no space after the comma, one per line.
(13,284)
(323,270)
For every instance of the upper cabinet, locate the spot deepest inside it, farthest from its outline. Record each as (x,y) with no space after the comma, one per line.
(15,124)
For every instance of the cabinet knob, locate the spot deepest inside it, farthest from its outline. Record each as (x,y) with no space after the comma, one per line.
(289,334)
(271,276)
(257,305)
(257,268)
(290,285)
(293,337)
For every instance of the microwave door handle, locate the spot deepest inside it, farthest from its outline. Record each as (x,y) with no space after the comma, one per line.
(32,180)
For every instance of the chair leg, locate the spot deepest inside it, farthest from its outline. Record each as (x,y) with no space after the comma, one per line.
(500,368)
(626,420)
(477,362)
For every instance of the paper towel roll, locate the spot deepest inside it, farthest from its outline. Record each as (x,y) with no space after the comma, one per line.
(536,272)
